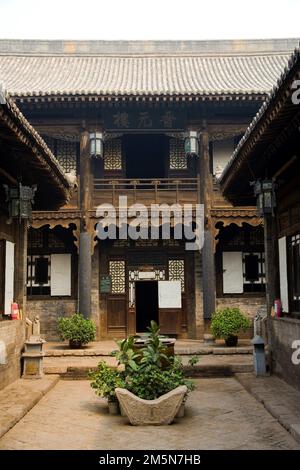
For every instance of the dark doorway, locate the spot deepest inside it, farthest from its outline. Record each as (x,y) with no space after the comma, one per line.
(146,155)
(146,293)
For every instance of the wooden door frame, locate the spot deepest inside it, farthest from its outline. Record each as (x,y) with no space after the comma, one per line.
(131,310)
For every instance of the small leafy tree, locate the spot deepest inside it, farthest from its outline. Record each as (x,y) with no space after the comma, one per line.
(154,351)
(228,322)
(105,379)
(126,354)
(76,329)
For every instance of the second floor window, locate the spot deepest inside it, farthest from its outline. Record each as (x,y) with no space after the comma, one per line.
(65,151)
(178,159)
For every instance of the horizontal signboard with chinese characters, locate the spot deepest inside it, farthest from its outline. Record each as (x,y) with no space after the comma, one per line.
(145,120)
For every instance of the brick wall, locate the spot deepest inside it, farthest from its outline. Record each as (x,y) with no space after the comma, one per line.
(48,311)
(12,333)
(284,331)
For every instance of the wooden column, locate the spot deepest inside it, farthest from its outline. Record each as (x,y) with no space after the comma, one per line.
(208,250)
(85,239)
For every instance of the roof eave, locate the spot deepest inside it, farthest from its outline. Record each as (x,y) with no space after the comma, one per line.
(30,138)
(95,97)
(247,145)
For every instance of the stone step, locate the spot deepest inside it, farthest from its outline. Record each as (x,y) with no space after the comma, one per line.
(208,366)
(180,350)
(19,397)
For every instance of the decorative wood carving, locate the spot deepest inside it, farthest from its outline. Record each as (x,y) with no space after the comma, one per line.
(238,220)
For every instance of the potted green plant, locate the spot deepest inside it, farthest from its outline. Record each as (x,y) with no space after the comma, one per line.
(77,329)
(227,324)
(104,381)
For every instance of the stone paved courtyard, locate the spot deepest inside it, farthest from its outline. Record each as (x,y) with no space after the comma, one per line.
(220,415)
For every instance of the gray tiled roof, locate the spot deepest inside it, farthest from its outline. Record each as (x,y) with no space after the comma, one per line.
(41,68)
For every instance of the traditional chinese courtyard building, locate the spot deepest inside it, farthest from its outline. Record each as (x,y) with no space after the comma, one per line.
(268,155)
(28,173)
(136,103)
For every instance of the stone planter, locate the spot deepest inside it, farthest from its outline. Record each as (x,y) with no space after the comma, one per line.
(160,411)
(180,412)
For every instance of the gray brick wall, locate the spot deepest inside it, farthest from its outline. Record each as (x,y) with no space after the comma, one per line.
(48,311)
(12,332)
(284,332)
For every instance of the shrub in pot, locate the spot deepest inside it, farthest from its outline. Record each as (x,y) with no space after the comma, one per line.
(77,329)
(104,381)
(227,324)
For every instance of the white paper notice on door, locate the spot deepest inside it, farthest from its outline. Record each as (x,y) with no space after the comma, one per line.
(169,294)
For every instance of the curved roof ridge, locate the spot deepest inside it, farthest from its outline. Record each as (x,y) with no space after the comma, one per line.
(146,48)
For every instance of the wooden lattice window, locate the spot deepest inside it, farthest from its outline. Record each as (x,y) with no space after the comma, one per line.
(66,154)
(117,274)
(256,236)
(113,154)
(54,241)
(44,238)
(35,238)
(38,274)
(65,151)
(176,271)
(178,159)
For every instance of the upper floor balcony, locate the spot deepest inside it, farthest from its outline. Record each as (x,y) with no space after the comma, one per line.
(146,191)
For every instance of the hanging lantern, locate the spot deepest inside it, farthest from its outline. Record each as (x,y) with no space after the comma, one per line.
(96,144)
(20,200)
(191,144)
(264,190)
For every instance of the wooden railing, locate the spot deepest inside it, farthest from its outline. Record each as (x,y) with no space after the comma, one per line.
(146,191)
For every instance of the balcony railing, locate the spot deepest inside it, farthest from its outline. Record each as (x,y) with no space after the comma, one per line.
(146,191)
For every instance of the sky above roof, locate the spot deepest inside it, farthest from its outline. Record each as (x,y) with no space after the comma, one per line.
(149,19)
